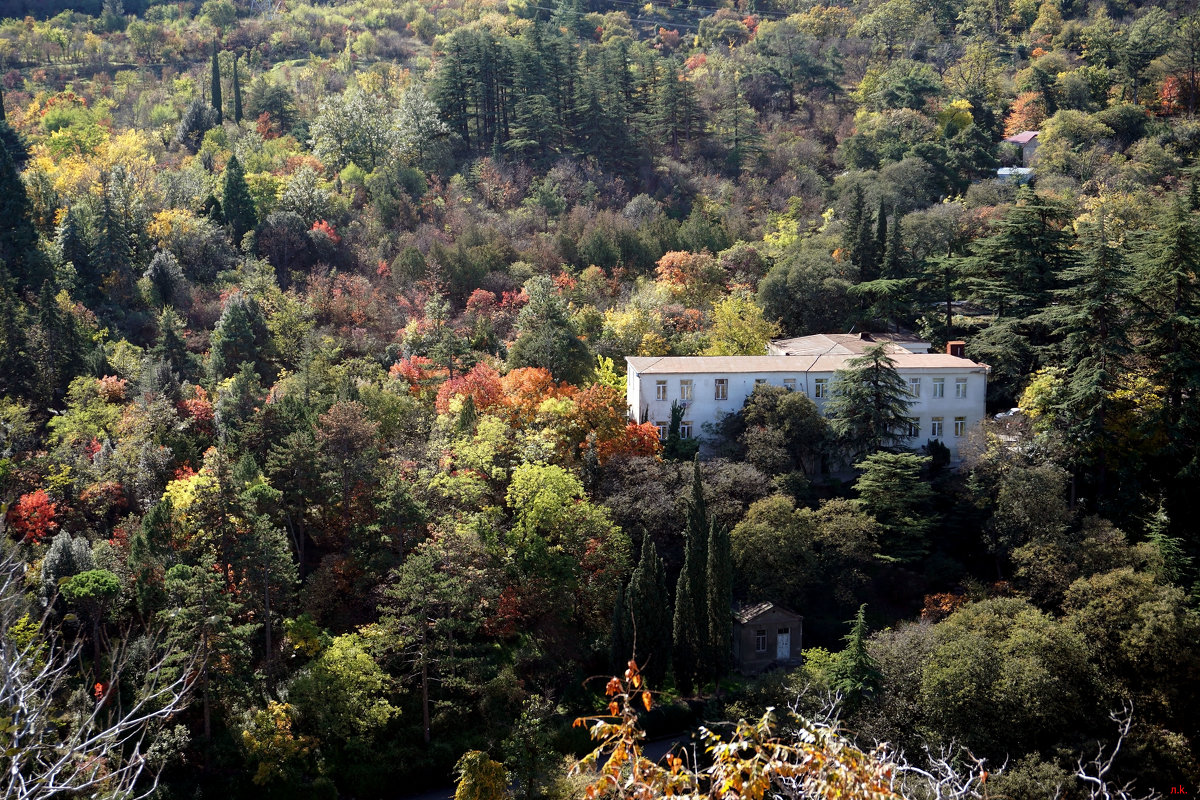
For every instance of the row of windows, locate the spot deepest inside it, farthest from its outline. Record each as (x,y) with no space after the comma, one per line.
(685,429)
(937,427)
(820,388)
(939,387)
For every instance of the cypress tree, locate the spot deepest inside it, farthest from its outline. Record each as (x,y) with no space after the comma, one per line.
(720,601)
(854,221)
(893,253)
(216,84)
(3,113)
(237,93)
(691,594)
(696,542)
(881,228)
(684,633)
(649,607)
(236,202)
(619,647)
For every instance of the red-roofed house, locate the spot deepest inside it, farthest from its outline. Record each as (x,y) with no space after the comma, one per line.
(1027,141)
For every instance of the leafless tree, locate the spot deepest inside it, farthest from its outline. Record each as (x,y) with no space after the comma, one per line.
(102,751)
(1094,773)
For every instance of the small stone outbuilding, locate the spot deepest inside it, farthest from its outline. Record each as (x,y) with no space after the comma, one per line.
(766,635)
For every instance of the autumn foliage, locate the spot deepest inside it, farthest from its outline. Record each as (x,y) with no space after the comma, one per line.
(32,517)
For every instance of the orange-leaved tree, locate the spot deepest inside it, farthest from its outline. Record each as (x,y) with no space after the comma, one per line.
(813,760)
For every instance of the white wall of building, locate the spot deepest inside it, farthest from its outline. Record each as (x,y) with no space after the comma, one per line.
(957,414)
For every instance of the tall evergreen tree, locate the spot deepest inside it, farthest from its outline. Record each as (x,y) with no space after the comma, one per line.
(719,583)
(868,410)
(19,253)
(691,594)
(1168,323)
(1092,321)
(686,646)
(171,347)
(237,92)
(240,337)
(856,673)
(649,616)
(236,203)
(217,103)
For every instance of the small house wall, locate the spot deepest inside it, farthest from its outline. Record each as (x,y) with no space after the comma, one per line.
(746,659)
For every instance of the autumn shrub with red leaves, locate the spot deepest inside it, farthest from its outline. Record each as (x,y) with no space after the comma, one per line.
(32,517)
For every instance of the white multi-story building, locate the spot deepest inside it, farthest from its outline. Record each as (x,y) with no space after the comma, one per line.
(947,389)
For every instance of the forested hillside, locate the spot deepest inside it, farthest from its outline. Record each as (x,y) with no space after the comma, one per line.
(316,476)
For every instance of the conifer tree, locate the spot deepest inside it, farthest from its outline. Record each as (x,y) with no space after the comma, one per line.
(240,337)
(170,347)
(686,649)
(869,407)
(856,673)
(619,647)
(237,93)
(719,581)
(236,203)
(217,104)
(1091,320)
(691,594)
(1169,327)
(19,253)
(649,613)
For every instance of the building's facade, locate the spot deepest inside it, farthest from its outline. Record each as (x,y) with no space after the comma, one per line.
(765,635)
(1028,142)
(948,390)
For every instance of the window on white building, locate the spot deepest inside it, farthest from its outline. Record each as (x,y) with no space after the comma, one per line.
(820,387)
(660,390)
(960,426)
(685,429)
(789,384)
(960,388)
(914,428)
(721,389)
(759,381)
(685,390)
(939,387)
(914,387)
(662,430)
(937,429)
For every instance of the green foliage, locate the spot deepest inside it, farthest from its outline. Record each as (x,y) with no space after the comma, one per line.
(868,410)
(237,205)
(892,489)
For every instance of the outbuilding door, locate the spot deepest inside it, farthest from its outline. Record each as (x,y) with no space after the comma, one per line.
(783,645)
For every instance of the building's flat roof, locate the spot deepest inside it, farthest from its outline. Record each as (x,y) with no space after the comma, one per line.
(663,365)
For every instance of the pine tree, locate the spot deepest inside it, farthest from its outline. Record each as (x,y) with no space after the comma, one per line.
(19,253)
(856,673)
(719,581)
(240,337)
(111,253)
(171,347)
(72,247)
(236,203)
(216,84)
(237,93)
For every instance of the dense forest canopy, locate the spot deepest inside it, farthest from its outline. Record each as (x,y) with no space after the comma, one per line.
(316,473)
